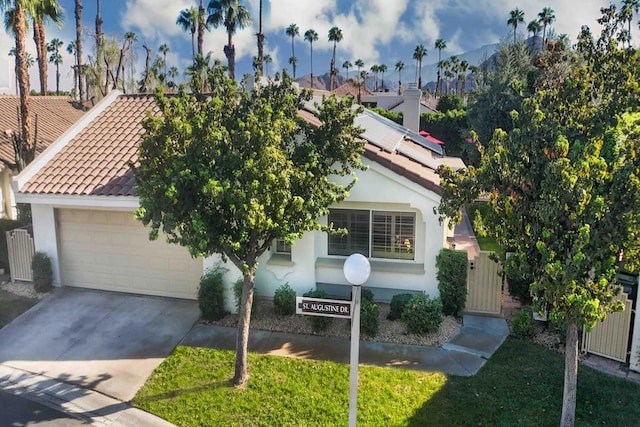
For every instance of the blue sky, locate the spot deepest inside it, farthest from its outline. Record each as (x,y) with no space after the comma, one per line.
(377,31)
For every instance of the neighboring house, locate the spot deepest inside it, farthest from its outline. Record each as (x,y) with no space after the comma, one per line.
(53,115)
(349,88)
(393,102)
(83,196)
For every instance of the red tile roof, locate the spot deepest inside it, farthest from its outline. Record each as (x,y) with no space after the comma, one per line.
(55,115)
(96,161)
(350,89)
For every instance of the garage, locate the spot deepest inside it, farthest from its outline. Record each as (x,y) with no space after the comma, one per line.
(111,250)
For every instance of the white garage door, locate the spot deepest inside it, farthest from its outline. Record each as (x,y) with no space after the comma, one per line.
(112,251)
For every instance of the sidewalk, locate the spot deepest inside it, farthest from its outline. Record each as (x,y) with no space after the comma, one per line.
(463,355)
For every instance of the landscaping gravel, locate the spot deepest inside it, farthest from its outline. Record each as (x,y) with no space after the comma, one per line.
(23,289)
(265,319)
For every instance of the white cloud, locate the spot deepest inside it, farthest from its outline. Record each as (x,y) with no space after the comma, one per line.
(154,19)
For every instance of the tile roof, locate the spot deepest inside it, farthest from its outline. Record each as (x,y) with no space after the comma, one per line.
(55,115)
(349,89)
(96,161)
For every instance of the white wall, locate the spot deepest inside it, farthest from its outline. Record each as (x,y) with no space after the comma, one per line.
(44,235)
(634,360)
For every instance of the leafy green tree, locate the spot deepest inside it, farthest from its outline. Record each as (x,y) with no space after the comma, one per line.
(564,188)
(229,171)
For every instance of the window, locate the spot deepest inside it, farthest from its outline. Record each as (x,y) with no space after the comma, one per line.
(377,234)
(282,247)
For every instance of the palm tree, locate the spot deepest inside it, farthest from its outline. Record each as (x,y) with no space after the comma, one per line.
(54,47)
(534,27)
(374,70)
(294,62)
(267,60)
(164,49)
(199,70)
(399,68)
(311,36)
(172,74)
(293,31)
(79,69)
(463,68)
(547,16)
(455,66)
(202,25)
(44,10)
(358,63)
(335,36)
(440,45)
(516,16)
(188,21)
(260,37)
(131,37)
(346,64)
(418,53)
(30,62)
(232,15)
(628,9)
(383,69)
(71,48)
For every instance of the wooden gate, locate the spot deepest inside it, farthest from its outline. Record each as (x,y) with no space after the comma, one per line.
(20,249)
(484,286)
(610,338)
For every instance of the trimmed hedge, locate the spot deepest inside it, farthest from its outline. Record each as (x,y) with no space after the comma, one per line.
(452,281)
(211,294)
(398,303)
(284,300)
(522,324)
(318,323)
(369,313)
(42,273)
(422,315)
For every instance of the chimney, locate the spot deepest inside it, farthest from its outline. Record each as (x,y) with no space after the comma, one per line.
(411,110)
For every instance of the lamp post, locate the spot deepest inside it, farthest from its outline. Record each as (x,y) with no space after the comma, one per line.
(356,270)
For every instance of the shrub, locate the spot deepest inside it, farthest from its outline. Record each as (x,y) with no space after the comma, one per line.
(449,102)
(398,303)
(519,285)
(237,293)
(284,300)
(42,273)
(318,323)
(522,324)
(452,281)
(369,318)
(422,315)
(366,294)
(211,294)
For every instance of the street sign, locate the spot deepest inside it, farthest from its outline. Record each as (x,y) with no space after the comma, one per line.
(324,307)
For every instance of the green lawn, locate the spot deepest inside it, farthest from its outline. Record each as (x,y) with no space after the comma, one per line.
(486,243)
(520,385)
(12,306)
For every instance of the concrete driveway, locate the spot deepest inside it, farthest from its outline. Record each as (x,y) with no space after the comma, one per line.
(103,341)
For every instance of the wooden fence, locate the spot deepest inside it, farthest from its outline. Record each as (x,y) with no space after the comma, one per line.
(20,249)
(610,338)
(484,286)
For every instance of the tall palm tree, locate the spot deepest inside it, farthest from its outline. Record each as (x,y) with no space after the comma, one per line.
(44,10)
(199,70)
(359,63)
(131,37)
(516,16)
(440,45)
(534,27)
(335,36)
(172,74)
(202,25)
(399,68)
(293,31)
(346,64)
(547,16)
(454,62)
(54,48)
(267,60)
(383,69)
(311,36)
(188,21)
(164,49)
(463,68)
(418,53)
(233,16)
(294,62)
(260,37)
(375,68)
(71,48)
(629,7)
(30,62)
(99,48)
(79,68)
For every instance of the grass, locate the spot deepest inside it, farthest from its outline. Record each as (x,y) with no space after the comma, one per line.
(520,385)
(12,306)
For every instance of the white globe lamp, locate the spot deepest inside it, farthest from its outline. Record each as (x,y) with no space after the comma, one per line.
(357,269)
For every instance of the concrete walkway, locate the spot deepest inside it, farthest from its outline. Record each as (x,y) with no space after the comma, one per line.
(463,355)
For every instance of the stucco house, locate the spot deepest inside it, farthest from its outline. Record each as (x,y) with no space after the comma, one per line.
(54,114)
(83,197)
